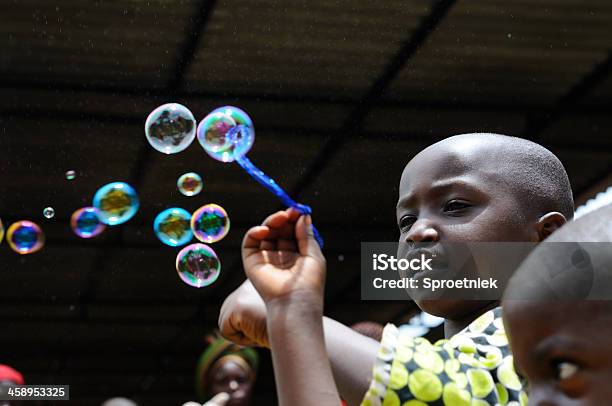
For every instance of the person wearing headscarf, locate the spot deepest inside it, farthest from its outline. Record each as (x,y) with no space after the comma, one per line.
(225,367)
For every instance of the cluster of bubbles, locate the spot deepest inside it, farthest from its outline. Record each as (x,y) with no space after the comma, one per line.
(226,134)
(25,237)
(171,226)
(86,222)
(190,184)
(198,265)
(113,204)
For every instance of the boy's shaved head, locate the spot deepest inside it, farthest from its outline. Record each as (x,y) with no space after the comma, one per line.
(572,264)
(532,171)
(480,188)
(560,340)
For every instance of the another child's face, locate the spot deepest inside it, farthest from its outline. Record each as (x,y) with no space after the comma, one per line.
(231,378)
(455,192)
(563,349)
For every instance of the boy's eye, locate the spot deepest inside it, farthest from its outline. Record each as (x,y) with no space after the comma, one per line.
(565,370)
(406,222)
(455,206)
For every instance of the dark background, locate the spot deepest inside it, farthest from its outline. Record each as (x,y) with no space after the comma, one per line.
(342,94)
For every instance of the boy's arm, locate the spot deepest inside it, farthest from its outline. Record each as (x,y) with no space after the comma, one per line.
(302,370)
(285,264)
(352,355)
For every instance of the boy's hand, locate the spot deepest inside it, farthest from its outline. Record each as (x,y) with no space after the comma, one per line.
(242,318)
(282,258)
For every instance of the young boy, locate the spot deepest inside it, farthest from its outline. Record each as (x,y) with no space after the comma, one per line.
(560,341)
(467,188)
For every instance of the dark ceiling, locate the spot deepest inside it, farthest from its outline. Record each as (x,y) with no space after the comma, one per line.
(342,94)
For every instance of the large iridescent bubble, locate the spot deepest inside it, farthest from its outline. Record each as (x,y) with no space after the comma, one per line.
(210,223)
(25,237)
(170,128)
(190,184)
(117,203)
(198,265)
(1,230)
(172,228)
(86,222)
(226,134)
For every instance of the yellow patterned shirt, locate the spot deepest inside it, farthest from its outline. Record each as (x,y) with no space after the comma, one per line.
(473,368)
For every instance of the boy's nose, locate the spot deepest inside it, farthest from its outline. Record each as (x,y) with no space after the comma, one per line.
(422,231)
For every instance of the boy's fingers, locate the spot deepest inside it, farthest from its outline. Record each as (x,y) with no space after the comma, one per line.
(293,214)
(281,223)
(305,238)
(275,219)
(254,236)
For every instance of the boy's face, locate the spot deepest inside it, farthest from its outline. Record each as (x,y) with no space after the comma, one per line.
(563,349)
(455,191)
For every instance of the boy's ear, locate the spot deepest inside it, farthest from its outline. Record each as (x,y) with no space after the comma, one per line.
(549,223)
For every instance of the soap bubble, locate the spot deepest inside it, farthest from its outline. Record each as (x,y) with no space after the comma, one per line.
(117,202)
(25,237)
(49,212)
(198,265)
(226,134)
(190,184)
(70,175)
(171,226)
(86,222)
(210,223)
(170,128)
(1,230)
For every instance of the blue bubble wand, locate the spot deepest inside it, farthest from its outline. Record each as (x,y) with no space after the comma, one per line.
(227,134)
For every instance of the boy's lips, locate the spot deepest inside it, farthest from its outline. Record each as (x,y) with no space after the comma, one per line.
(437,256)
(436,253)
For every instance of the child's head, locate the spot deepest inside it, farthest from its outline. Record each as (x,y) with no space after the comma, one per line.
(562,344)
(481,188)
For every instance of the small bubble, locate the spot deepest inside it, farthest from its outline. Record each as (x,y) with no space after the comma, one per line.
(49,212)
(70,175)
(25,237)
(341,258)
(190,184)
(86,222)
(509,35)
